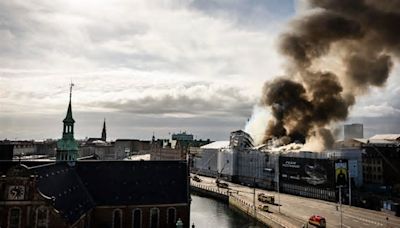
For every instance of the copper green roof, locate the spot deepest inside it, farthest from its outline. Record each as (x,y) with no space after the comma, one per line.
(68,117)
(67,144)
(67,147)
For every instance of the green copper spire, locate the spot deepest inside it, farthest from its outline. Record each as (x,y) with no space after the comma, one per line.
(68,117)
(67,147)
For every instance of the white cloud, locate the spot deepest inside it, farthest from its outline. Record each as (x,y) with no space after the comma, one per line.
(380,110)
(133,53)
(119,52)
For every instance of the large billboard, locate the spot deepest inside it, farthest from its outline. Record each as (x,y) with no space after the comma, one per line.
(341,176)
(318,173)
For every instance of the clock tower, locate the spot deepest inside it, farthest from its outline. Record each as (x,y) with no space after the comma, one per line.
(67,147)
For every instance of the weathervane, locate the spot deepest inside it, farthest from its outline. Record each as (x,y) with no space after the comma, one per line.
(70,90)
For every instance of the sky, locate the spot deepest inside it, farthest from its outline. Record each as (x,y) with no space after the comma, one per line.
(150,67)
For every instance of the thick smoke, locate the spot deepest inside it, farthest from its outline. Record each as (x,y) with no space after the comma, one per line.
(364,34)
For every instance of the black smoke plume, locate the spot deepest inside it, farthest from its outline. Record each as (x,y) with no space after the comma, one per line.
(365,34)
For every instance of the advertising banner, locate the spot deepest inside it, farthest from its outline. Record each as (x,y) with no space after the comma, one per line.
(307,172)
(341,174)
(353,168)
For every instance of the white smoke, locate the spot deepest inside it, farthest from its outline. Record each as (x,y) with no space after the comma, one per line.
(257,124)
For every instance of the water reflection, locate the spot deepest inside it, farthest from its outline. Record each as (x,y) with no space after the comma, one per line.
(207,213)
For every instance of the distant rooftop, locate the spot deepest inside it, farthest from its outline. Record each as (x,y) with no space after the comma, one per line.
(216,145)
(390,137)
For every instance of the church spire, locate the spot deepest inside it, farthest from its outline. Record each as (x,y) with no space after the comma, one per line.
(68,117)
(104,131)
(67,147)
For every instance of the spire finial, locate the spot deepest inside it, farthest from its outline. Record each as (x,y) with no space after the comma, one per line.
(70,91)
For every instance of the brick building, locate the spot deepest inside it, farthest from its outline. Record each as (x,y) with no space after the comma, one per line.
(94,194)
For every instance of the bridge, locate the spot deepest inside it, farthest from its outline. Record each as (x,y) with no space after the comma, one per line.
(294,211)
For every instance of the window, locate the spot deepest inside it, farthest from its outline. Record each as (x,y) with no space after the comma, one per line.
(171,217)
(14,218)
(42,217)
(154,214)
(117,218)
(137,218)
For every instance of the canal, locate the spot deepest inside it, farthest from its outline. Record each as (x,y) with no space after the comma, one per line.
(206,212)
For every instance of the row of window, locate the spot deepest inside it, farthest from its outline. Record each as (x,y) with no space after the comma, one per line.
(373,168)
(154,219)
(373,177)
(41,217)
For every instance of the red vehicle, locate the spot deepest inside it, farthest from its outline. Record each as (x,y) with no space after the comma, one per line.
(317,220)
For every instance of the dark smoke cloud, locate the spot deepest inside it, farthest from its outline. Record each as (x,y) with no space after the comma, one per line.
(314,33)
(304,103)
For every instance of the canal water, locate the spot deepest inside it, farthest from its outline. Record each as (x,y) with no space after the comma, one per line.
(210,213)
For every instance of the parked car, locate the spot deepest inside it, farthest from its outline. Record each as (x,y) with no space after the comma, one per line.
(196,178)
(221,184)
(317,220)
(263,207)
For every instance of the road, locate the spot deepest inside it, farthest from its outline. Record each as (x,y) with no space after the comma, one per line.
(298,209)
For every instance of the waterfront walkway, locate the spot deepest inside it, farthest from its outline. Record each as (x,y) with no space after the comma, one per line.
(294,211)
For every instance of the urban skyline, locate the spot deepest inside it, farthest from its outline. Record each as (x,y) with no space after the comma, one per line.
(129,68)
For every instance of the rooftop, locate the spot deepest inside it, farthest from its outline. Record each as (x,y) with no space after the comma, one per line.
(216,145)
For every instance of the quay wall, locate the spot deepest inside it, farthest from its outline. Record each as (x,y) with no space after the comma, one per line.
(237,203)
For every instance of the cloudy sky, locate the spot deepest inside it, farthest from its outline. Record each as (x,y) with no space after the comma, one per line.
(149,66)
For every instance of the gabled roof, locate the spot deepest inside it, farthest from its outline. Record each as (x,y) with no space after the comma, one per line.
(60,182)
(80,188)
(373,141)
(135,182)
(390,137)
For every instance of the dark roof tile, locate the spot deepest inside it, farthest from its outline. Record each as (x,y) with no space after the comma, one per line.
(81,187)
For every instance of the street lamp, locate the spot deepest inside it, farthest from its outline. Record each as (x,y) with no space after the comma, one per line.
(179,223)
(340,206)
(278,177)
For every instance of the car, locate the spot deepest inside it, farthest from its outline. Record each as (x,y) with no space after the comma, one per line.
(196,178)
(221,184)
(263,207)
(317,220)
(266,198)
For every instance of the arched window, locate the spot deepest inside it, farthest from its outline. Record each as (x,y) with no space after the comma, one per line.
(171,217)
(154,217)
(117,218)
(137,218)
(42,217)
(14,218)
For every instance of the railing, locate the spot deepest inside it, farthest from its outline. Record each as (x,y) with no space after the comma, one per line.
(211,188)
(245,206)
(264,217)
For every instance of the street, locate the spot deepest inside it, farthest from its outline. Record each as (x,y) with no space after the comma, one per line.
(298,209)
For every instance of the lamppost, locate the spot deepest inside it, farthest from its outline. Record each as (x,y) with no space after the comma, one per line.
(254,199)
(278,177)
(340,206)
(179,223)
